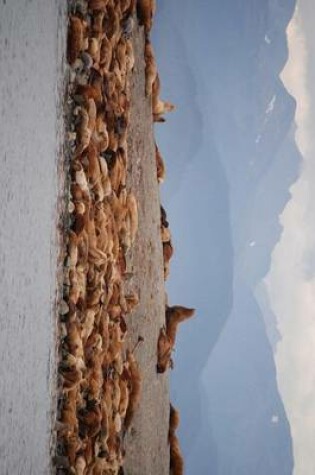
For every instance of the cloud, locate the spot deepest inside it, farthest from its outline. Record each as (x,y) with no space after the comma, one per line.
(291,279)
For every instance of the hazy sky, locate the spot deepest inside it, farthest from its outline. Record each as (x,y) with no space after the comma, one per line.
(291,279)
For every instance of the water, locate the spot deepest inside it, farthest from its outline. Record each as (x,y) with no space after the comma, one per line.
(32,43)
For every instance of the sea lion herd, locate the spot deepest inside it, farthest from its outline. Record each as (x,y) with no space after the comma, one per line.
(99,379)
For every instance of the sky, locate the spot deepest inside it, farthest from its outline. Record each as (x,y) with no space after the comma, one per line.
(291,279)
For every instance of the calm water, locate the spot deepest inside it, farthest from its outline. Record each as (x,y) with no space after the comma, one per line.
(32,43)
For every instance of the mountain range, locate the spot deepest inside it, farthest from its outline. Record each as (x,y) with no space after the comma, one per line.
(231,159)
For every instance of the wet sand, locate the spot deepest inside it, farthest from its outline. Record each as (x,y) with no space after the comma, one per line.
(147,450)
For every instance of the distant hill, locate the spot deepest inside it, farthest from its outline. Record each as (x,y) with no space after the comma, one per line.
(247,416)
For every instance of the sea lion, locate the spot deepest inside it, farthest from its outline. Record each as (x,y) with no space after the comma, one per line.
(76,34)
(145,11)
(176,458)
(174,316)
(160,166)
(150,68)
